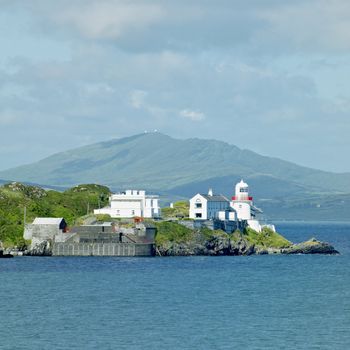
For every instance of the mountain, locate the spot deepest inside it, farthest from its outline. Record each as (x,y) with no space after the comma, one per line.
(180,168)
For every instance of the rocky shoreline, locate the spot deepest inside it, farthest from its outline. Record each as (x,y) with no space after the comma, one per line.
(225,246)
(214,245)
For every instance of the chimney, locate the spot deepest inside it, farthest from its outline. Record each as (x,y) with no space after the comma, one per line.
(210,192)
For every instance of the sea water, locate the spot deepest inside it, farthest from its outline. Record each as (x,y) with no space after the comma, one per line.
(238,302)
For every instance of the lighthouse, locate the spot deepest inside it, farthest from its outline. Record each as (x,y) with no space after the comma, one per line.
(241,202)
(219,209)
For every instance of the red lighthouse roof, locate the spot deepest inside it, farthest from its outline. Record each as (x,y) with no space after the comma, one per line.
(248,198)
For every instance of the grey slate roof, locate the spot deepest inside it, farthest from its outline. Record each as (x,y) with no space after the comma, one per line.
(215,198)
(47,221)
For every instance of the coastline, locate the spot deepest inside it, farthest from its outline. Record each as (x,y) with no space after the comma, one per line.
(173,239)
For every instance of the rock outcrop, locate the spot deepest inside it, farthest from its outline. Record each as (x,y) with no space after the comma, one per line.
(41,249)
(313,246)
(4,256)
(221,245)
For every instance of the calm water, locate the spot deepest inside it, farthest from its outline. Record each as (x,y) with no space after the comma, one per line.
(259,302)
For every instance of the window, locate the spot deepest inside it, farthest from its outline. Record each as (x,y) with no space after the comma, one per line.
(243,190)
(198,215)
(198,205)
(132,212)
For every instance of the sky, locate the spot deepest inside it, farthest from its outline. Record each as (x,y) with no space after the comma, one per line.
(271,76)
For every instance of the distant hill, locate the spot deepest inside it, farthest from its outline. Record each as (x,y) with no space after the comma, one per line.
(180,168)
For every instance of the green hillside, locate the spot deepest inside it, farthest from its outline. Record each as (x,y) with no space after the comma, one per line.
(159,162)
(177,169)
(70,204)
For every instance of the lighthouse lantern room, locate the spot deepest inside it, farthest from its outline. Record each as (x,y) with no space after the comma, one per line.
(242,202)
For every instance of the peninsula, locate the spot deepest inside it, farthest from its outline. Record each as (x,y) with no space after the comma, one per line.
(69,228)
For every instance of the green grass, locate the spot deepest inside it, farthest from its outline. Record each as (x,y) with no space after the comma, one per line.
(176,233)
(311,242)
(207,233)
(172,232)
(180,210)
(103,218)
(266,238)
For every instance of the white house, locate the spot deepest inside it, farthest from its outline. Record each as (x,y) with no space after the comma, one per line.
(241,208)
(206,206)
(131,203)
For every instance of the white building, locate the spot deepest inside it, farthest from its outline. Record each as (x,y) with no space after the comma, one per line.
(241,208)
(131,203)
(242,203)
(207,206)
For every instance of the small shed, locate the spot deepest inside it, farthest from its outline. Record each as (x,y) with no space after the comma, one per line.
(60,223)
(44,228)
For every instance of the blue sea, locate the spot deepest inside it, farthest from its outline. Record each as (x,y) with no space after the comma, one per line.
(254,302)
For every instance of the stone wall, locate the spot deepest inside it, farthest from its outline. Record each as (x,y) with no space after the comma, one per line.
(102,249)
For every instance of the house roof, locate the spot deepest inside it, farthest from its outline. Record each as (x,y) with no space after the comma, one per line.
(215,198)
(47,221)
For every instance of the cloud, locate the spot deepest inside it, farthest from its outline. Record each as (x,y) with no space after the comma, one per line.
(108,19)
(241,70)
(187,25)
(137,98)
(311,26)
(195,116)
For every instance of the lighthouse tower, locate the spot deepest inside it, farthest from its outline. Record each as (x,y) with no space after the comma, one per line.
(242,202)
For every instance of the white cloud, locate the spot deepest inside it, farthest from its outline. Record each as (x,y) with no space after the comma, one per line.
(310,26)
(144,64)
(108,19)
(195,116)
(266,26)
(137,98)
